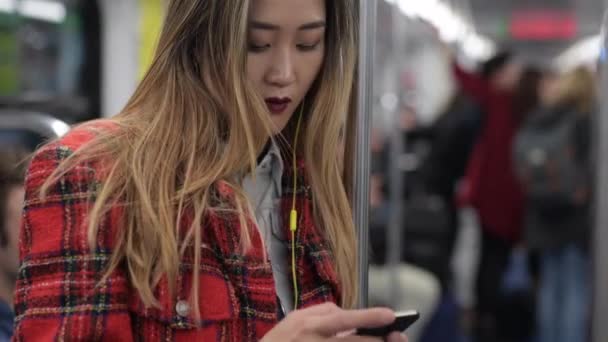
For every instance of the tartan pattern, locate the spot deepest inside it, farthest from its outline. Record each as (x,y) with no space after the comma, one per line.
(59,297)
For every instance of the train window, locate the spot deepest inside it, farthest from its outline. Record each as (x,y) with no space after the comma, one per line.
(50,57)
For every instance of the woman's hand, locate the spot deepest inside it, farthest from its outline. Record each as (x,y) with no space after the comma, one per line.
(324,322)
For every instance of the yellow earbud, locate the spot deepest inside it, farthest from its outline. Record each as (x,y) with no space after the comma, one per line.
(293,216)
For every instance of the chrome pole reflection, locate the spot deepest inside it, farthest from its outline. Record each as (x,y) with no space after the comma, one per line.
(600,239)
(367,32)
(395,232)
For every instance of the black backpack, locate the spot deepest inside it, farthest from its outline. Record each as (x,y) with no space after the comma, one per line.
(549,160)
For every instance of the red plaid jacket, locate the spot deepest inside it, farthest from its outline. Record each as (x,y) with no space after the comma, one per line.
(59,297)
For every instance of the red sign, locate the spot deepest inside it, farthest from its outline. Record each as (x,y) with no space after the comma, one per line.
(543,25)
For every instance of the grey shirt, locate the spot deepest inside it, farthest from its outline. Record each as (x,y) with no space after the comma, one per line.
(264,193)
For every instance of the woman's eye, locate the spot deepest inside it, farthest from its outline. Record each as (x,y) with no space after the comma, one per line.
(308,47)
(258,47)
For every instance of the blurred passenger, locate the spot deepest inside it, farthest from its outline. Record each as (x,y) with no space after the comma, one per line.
(442,150)
(213,207)
(11,201)
(439,153)
(527,100)
(432,217)
(491,186)
(405,286)
(527,93)
(516,319)
(451,138)
(552,154)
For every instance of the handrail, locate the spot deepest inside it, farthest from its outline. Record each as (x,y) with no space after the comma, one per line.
(600,252)
(367,34)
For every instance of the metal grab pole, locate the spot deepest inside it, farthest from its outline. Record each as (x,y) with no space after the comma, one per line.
(367,33)
(600,257)
(395,236)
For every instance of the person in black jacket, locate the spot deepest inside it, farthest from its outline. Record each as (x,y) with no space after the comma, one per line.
(553,159)
(442,151)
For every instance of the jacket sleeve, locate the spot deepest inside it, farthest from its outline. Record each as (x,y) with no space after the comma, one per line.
(472,84)
(58,294)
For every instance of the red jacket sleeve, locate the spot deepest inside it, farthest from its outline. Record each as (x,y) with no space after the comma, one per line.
(472,84)
(58,294)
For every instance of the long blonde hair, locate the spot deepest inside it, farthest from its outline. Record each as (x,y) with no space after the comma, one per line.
(577,88)
(195,120)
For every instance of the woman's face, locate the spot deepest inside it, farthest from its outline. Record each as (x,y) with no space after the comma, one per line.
(286,51)
(549,90)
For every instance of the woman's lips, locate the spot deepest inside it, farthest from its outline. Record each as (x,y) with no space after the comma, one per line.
(277,105)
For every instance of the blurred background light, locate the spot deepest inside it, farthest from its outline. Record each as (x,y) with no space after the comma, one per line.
(45,10)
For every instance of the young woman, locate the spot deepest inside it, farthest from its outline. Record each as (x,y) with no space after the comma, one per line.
(553,155)
(214,203)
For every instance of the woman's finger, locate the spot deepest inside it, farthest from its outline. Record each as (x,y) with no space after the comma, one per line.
(355,338)
(346,320)
(396,337)
(318,310)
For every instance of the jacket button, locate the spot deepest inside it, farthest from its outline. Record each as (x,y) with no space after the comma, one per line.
(182,308)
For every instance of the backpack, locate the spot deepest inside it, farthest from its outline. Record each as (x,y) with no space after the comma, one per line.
(549,160)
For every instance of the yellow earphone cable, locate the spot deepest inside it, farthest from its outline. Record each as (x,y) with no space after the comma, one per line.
(293,217)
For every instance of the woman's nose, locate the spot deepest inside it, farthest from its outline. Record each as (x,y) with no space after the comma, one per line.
(281,72)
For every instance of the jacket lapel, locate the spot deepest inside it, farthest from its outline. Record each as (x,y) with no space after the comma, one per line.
(316,277)
(251,273)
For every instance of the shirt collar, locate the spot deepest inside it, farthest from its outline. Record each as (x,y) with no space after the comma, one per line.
(274,161)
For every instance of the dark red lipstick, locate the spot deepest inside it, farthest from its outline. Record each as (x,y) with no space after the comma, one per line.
(277,105)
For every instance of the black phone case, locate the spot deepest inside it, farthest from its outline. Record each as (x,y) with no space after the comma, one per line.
(400,324)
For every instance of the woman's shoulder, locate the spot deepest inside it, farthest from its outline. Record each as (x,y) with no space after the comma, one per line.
(62,263)
(80,135)
(50,157)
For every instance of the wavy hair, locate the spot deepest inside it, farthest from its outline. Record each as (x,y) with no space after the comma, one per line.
(195,120)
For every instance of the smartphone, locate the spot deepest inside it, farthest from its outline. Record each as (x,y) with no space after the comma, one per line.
(403,320)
